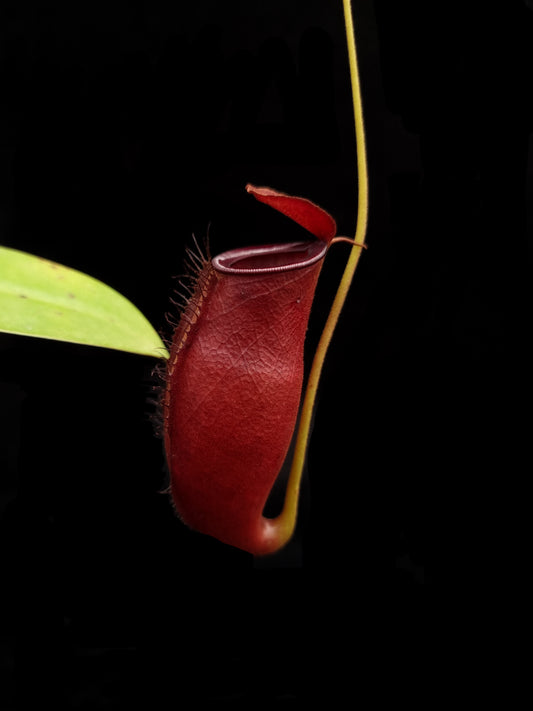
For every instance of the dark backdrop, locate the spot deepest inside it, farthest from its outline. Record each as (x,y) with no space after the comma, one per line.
(125,128)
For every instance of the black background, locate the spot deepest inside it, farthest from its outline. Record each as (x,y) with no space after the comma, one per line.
(126,127)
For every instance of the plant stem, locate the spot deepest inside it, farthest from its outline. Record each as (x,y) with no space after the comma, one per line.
(286,521)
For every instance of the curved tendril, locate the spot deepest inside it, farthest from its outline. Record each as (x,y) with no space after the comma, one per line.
(286,521)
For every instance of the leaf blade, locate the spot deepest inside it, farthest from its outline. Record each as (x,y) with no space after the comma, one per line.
(44,299)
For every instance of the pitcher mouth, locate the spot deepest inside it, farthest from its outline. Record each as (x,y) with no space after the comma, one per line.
(270,258)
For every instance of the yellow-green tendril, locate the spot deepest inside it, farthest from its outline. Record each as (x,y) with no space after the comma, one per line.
(286,521)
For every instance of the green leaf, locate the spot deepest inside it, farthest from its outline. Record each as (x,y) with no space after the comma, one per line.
(48,300)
